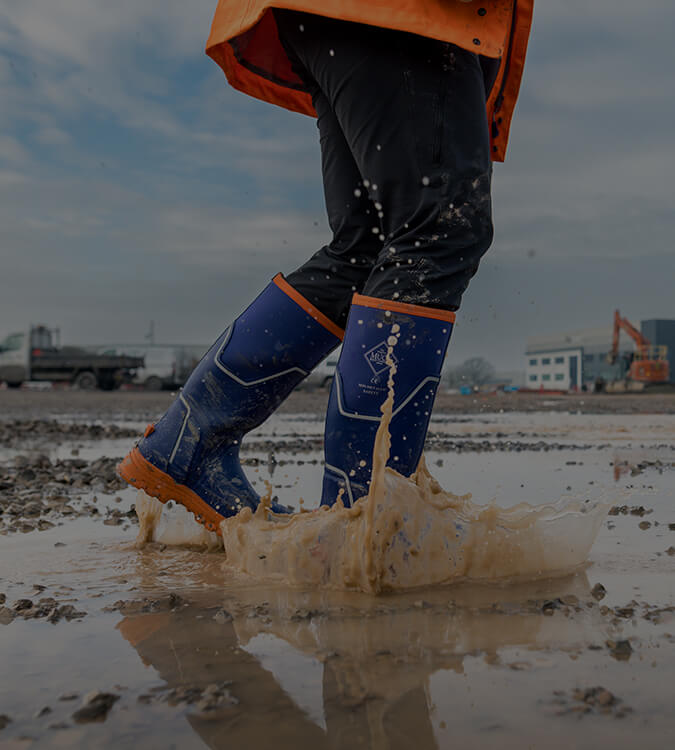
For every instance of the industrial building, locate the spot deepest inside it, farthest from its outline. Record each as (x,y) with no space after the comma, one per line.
(579,359)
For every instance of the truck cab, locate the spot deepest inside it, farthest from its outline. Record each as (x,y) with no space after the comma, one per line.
(15,359)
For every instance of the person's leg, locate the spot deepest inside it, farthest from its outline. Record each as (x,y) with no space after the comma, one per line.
(412,111)
(191,454)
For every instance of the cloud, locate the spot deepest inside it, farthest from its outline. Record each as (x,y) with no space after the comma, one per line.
(135,185)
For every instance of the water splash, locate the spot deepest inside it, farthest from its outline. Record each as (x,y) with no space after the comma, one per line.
(406,533)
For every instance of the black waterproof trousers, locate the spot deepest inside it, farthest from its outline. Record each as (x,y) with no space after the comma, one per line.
(405,158)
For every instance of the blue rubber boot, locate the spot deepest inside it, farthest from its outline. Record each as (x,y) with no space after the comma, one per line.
(421,337)
(192,454)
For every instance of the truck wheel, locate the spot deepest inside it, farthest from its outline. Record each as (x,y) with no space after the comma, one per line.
(13,385)
(153,383)
(85,381)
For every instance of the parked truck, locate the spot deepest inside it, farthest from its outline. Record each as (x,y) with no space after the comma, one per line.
(36,354)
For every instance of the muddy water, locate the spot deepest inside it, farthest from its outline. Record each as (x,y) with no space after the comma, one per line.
(406,533)
(200,658)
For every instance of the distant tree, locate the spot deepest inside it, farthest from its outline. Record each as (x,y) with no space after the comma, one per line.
(475,371)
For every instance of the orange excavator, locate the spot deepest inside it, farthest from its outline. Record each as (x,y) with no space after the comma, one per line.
(649,364)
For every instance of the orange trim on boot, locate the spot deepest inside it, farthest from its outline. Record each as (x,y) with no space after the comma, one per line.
(404,307)
(308,307)
(138,471)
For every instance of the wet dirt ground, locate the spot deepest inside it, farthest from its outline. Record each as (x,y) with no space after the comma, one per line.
(102,643)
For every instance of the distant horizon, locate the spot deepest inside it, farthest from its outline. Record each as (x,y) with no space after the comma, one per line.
(450,362)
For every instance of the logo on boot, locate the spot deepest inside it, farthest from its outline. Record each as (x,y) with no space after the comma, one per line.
(377,358)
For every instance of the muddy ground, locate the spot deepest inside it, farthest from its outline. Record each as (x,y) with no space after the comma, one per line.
(25,404)
(102,643)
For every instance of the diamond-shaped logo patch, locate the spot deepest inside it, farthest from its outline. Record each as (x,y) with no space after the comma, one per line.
(377,358)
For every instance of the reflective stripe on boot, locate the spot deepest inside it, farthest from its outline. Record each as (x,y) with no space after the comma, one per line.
(192,454)
(421,337)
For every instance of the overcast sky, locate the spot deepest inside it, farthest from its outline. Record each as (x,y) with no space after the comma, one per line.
(136,185)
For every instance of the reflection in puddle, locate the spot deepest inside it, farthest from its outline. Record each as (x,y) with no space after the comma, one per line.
(335,670)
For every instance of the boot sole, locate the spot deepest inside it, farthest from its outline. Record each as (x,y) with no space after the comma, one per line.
(139,472)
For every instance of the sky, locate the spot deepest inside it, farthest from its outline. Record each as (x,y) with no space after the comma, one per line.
(136,185)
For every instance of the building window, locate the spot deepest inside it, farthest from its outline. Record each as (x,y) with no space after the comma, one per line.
(559,376)
(533,378)
(546,361)
(560,360)
(545,377)
(588,357)
(533,361)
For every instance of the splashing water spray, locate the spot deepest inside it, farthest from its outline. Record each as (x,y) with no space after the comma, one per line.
(405,533)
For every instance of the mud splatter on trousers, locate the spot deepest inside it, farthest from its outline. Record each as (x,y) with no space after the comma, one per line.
(405,159)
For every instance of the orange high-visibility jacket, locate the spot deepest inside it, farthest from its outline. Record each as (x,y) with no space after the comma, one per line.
(245,43)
